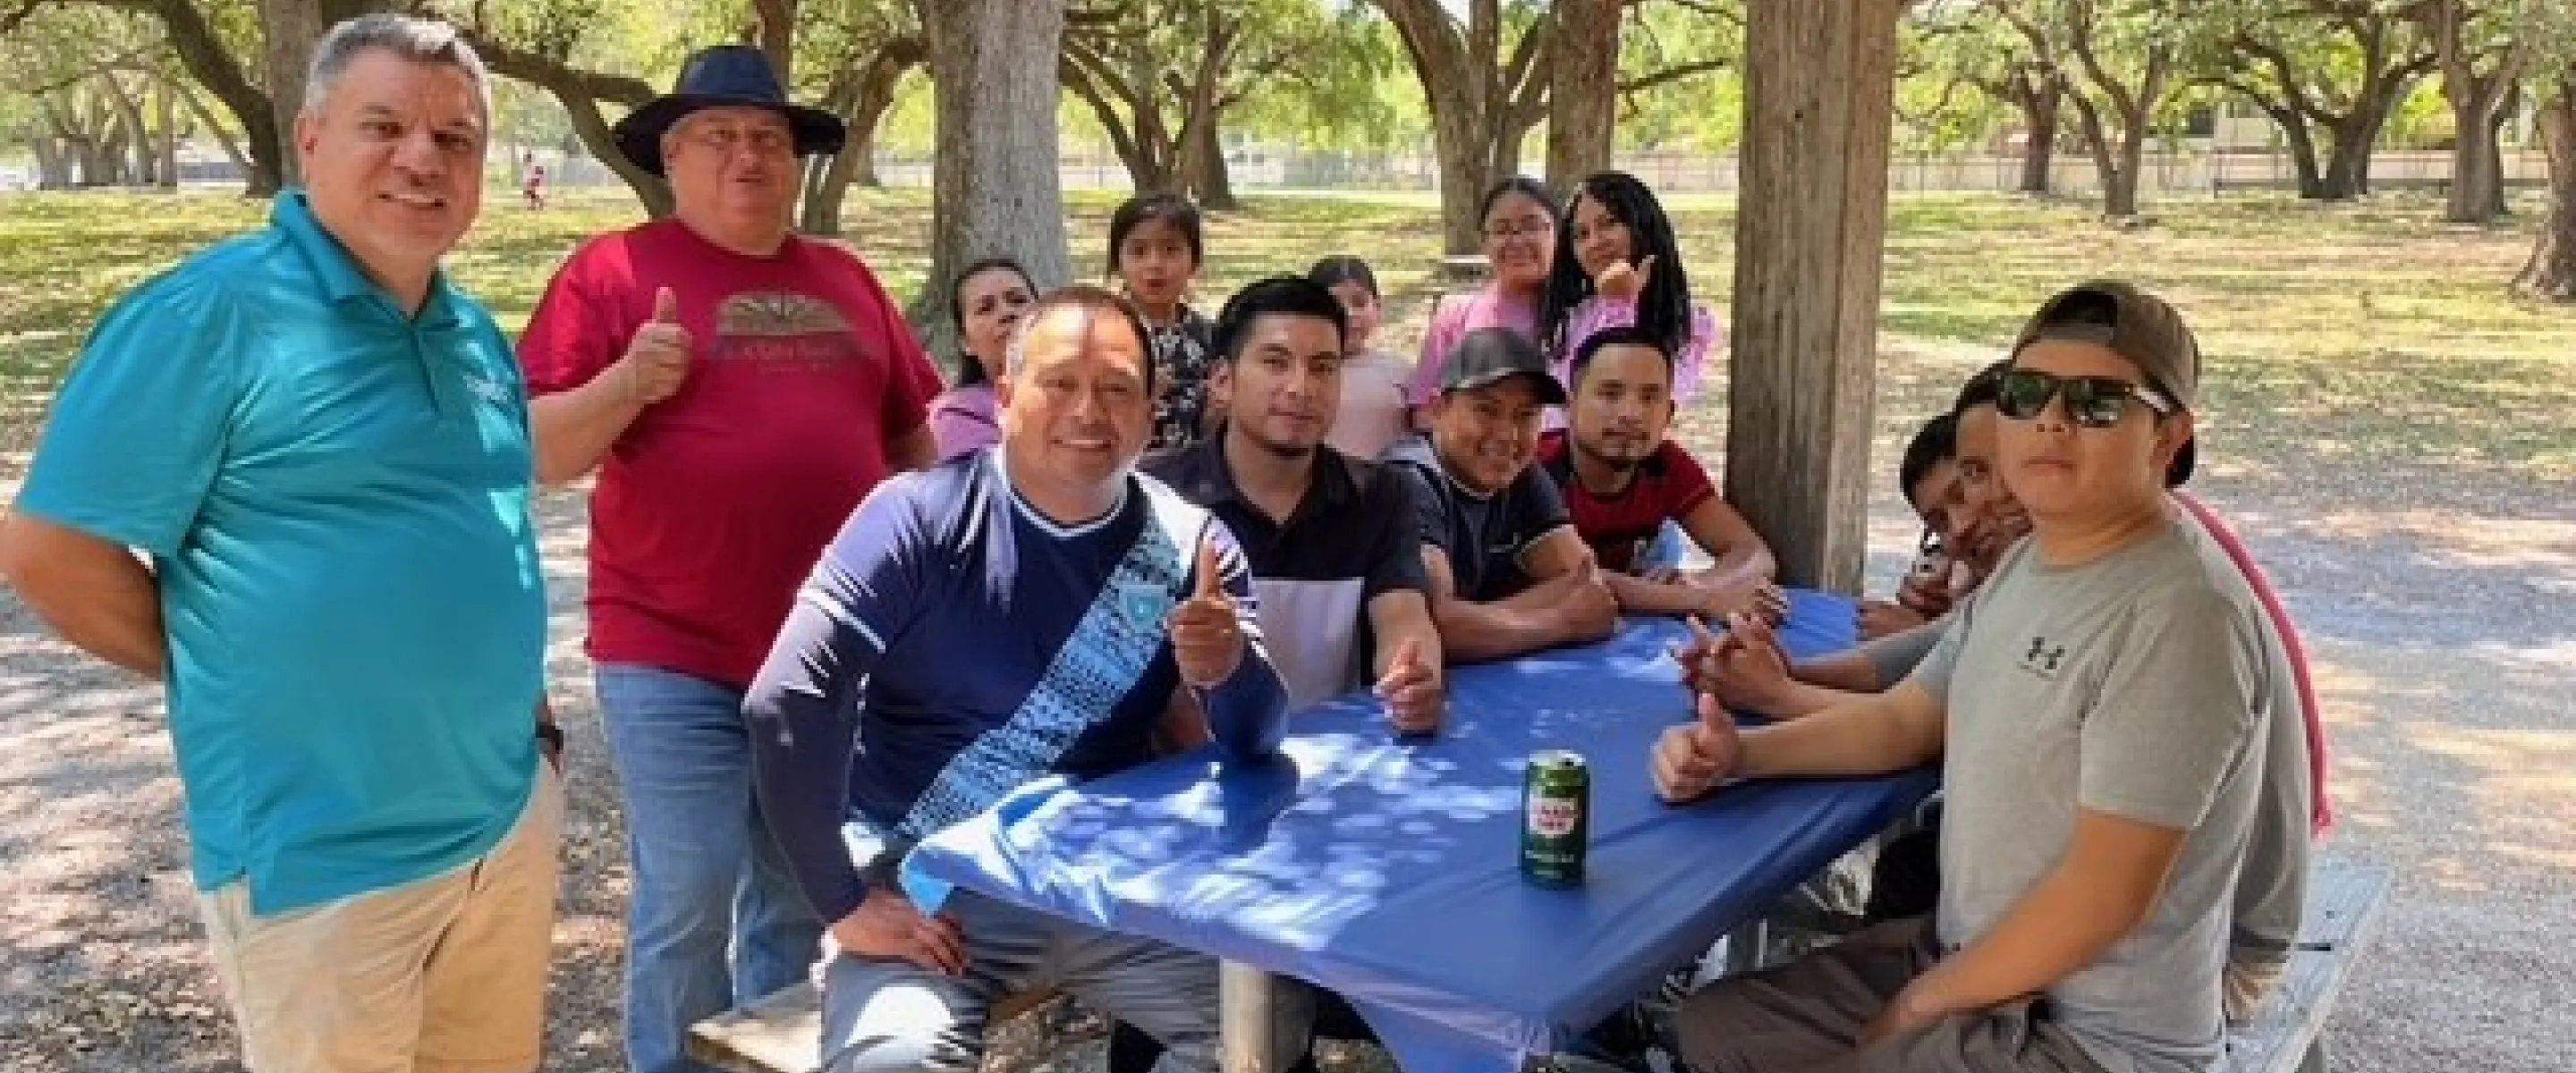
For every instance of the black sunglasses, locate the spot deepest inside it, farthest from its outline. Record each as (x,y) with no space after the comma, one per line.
(2091,401)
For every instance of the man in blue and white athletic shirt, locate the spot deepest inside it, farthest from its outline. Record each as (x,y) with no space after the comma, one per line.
(1031,609)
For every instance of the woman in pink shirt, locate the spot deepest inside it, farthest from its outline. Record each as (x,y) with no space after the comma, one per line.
(987,301)
(1520,247)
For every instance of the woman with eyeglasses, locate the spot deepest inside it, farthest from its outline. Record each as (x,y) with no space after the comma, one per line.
(1520,246)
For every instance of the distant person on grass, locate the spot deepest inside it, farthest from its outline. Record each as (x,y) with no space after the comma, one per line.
(1035,610)
(323,446)
(985,305)
(1624,481)
(738,389)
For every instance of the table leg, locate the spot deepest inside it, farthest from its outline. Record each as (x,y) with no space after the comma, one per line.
(1246,1017)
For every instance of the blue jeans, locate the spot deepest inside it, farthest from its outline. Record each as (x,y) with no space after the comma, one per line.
(715,919)
(1667,549)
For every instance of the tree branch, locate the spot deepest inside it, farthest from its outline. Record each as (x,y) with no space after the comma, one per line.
(1673,74)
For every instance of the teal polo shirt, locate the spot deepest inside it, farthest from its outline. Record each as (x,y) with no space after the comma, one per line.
(335,497)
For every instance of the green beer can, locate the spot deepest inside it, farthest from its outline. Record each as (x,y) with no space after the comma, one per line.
(1556,818)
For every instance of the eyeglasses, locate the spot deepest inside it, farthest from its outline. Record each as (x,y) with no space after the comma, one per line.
(1527,225)
(2091,401)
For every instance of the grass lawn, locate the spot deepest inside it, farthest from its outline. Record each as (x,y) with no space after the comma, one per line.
(2364,334)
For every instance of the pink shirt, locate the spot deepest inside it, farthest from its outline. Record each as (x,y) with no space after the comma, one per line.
(1371,416)
(961,420)
(1598,314)
(2320,807)
(1452,319)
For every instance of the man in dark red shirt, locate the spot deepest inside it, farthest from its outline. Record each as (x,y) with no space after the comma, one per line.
(1623,481)
(739,390)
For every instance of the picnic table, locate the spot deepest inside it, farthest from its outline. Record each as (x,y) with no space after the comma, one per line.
(1387,869)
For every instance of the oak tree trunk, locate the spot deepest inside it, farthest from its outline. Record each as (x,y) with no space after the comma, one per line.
(2551,272)
(262,149)
(2039,111)
(1583,92)
(995,185)
(1819,114)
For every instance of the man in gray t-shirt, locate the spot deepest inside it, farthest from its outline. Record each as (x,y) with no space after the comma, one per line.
(2099,710)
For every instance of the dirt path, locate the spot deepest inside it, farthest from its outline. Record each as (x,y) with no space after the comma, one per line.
(2445,632)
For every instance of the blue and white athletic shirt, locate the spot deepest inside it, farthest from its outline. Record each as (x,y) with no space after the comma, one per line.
(954,644)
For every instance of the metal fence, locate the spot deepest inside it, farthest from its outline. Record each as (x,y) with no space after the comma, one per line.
(2167,173)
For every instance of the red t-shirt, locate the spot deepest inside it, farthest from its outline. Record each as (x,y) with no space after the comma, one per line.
(711,509)
(1620,528)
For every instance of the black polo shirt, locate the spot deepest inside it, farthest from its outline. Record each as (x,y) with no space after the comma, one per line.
(1351,539)
(1487,538)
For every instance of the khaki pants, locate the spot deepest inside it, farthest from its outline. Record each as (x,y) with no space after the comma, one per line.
(446,975)
(1806,1015)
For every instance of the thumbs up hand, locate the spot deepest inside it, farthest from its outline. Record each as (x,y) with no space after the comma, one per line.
(1624,281)
(1412,691)
(657,358)
(1693,758)
(1207,637)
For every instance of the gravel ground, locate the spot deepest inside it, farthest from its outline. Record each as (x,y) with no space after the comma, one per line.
(2444,628)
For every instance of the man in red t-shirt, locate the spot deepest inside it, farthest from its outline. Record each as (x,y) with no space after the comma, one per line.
(739,390)
(1623,480)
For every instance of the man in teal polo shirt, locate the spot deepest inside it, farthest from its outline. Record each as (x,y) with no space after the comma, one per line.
(323,447)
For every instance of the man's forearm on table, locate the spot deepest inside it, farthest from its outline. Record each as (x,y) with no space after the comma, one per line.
(1247,713)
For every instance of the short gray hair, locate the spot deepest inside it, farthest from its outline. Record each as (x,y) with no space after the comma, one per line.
(422,41)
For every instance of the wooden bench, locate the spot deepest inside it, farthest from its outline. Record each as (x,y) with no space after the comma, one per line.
(783,1033)
(2346,900)
(1461,268)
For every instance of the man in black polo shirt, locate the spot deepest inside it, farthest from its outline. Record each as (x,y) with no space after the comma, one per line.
(1335,552)
(1336,559)
(1509,575)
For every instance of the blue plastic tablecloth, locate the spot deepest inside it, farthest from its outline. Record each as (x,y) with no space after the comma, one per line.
(1388,869)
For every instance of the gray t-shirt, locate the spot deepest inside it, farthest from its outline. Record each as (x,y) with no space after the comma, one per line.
(2135,685)
(2272,890)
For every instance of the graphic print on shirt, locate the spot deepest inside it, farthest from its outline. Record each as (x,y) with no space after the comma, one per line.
(1181,365)
(783,332)
(2043,658)
(1117,637)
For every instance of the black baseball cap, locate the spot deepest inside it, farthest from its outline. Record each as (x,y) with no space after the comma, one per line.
(1489,356)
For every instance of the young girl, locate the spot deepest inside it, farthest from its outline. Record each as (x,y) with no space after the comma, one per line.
(1155,250)
(1520,244)
(1617,263)
(985,303)
(1372,414)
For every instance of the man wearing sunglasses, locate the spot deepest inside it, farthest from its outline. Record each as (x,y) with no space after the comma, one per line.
(2105,709)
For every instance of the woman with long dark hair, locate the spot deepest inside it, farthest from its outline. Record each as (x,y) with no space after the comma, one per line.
(1618,263)
(986,302)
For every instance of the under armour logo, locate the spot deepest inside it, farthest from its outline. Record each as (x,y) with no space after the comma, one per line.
(2042,659)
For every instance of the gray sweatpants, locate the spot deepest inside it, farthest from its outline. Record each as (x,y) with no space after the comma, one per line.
(1807,1015)
(884,1015)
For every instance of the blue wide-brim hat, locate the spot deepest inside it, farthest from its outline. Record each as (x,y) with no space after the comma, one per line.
(725,76)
